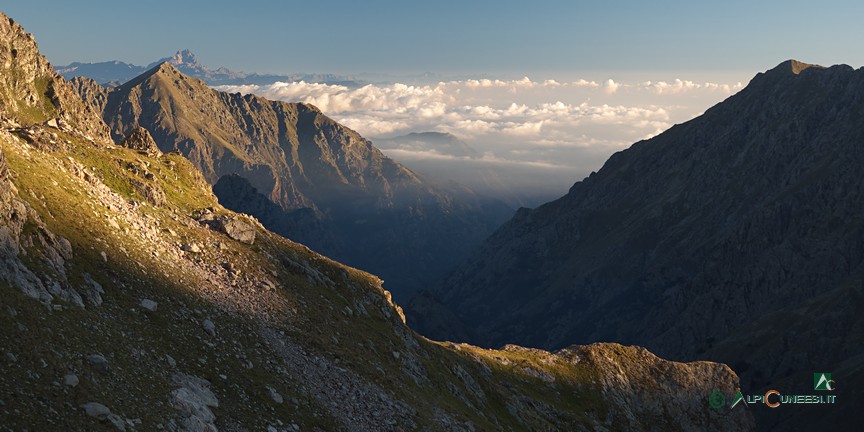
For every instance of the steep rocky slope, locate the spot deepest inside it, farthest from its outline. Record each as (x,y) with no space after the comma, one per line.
(733,237)
(30,91)
(131,300)
(390,221)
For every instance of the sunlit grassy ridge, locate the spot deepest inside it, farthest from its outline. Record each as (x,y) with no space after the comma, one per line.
(142,242)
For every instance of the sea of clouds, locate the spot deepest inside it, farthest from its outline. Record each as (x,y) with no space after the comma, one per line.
(569,127)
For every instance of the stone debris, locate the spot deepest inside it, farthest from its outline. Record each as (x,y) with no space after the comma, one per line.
(232,226)
(70,380)
(98,363)
(95,409)
(149,305)
(209,327)
(191,248)
(193,398)
(275,395)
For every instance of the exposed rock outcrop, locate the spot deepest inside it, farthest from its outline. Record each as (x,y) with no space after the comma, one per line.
(31,92)
(139,139)
(24,239)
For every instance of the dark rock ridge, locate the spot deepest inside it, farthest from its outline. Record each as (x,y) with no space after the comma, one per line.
(119,313)
(389,220)
(724,238)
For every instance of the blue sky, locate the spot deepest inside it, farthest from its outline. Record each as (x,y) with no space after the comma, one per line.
(544,91)
(551,38)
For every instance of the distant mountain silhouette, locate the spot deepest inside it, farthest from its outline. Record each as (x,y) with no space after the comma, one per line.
(115,72)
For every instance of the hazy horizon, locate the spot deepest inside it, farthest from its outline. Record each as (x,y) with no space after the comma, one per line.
(552,89)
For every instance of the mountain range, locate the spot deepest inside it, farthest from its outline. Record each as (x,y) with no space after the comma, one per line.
(332,189)
(115,72)
(733,237)
(133,300)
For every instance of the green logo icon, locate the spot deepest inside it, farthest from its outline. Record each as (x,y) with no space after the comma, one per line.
(823,381)
(738,398)
(717,400)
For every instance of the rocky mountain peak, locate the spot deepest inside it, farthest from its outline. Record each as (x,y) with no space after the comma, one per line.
(164,72)
(791,67)
(185,57)
(31,92)
(164,68)
(798,67)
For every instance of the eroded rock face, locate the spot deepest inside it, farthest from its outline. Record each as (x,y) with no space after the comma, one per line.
(16,240)
(139,139)
(90,91)
(31,92)
(650,390)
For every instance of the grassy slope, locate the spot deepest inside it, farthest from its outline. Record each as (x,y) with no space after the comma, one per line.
(309,314)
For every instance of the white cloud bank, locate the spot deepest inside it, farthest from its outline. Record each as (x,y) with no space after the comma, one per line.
(553,124)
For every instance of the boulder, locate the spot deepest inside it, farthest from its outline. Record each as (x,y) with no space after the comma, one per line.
(232,226)
(193,398)
(95,409)
(149,305)
(92,290)
(139,139)
(98,362)
(71,380)
(191,248)
(238,230)
(209,327)
(275,395)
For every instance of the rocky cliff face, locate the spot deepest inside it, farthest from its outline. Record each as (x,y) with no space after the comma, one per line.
(388,220)
(32,92)
(121,312)
(689,241)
